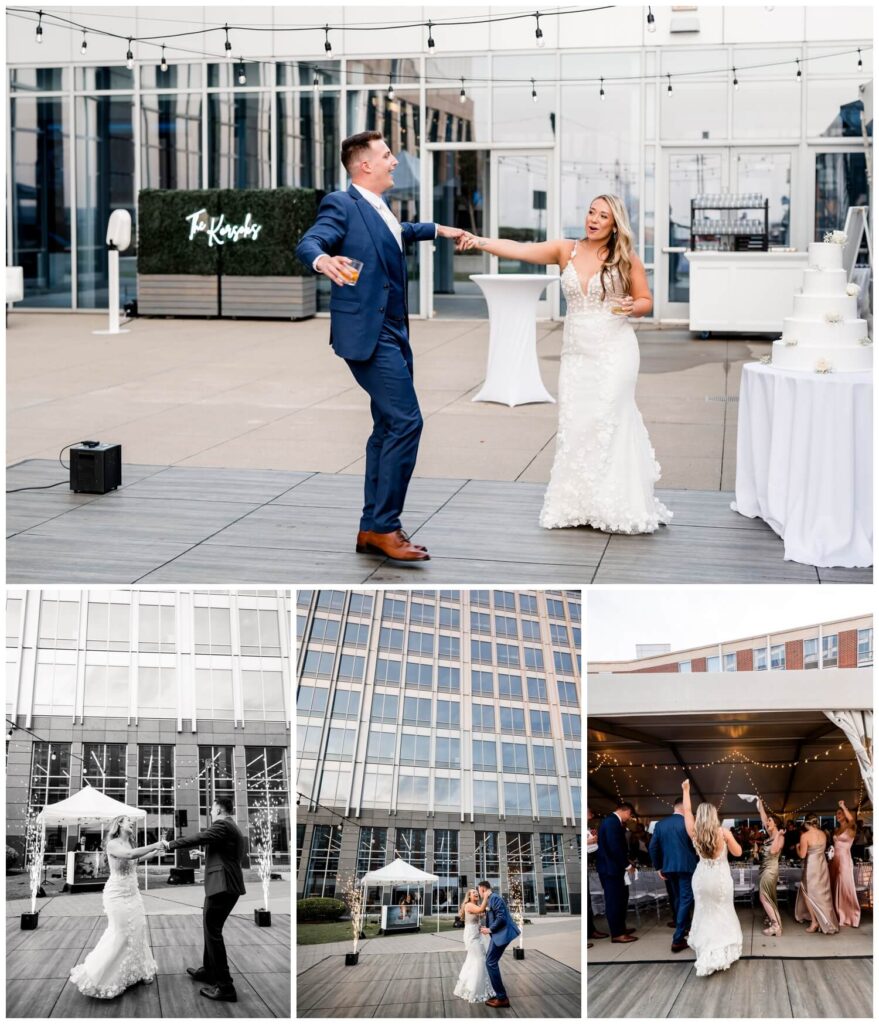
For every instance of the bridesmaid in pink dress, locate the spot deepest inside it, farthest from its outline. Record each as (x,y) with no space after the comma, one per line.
(842,869)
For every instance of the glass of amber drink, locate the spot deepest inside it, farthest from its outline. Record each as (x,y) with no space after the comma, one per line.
(352,272)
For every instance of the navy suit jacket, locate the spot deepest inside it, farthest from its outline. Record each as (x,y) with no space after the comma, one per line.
(347,225)
(671,849)
(225,847)
(612,857)
(498,921)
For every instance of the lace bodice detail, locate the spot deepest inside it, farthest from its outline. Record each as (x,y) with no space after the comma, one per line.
(720,859)
(590,302)
(121,868)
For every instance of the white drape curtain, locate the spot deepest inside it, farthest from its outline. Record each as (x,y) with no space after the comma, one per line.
(858,729)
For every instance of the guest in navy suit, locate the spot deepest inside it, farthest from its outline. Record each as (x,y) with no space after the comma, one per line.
(613,862)
(369,328)
(673,856)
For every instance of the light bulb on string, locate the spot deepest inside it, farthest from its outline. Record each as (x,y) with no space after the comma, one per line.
(462,96)
(668,90)
(735,78)
(601,97)
(390,87)
(651,21)
(38,35)
(227,46)
(860,61)
(164,65)
(538,31)
(129,56)
(799,70)
(84,46)
(242,74)
(431,42)
(315,83)
(533,91)
(328,46)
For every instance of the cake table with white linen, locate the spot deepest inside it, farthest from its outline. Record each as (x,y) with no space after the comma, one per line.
(805,461)
(512,376)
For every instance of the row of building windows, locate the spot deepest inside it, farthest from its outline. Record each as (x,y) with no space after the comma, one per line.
(414,748)
(150,691)
(356,634)
(104,766)
(422,603)
(109,626)
(387,707)
(323,664)
(522,855)
(423,790)
(823,653)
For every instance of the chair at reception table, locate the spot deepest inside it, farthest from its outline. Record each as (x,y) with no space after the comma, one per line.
(647,890)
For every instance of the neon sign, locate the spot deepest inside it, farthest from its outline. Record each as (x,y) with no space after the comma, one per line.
(219,230)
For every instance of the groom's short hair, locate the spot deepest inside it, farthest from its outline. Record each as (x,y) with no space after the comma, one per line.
(353,148)
(484,885)
(224,803)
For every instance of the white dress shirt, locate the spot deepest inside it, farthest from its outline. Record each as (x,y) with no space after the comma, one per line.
(383,210)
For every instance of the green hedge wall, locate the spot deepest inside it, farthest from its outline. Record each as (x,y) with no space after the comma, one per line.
(319,908)
(164,245)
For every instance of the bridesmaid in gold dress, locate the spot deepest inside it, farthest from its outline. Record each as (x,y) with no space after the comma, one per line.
(842,869)
(814,900)
(772,847)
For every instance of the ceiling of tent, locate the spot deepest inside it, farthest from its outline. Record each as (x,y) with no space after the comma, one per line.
(668,741)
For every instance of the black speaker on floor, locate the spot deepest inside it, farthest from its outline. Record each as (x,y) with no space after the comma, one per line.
(95,467)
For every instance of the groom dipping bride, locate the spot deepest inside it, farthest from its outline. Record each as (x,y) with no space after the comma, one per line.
(485,940)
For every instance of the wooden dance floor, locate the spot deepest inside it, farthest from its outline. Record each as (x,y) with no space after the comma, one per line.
(38,964)
(422,985)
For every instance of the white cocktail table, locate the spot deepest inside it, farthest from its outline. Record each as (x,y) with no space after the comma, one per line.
(512,376)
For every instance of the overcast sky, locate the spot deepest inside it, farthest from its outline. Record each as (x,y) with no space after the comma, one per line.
(691,616)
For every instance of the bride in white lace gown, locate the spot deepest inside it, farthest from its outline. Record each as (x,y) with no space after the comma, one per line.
(123,956)
(715,933)
(473,984)
(604,468)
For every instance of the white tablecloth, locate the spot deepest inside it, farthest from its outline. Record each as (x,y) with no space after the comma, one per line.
(804,461)
(512,376)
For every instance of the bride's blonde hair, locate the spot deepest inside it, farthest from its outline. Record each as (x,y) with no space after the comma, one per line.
(707,824)
(115,829)
(620,246)
(461,913)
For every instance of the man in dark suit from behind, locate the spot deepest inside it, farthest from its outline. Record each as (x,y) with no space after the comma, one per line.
(612,861)
(223,884)
(673,856)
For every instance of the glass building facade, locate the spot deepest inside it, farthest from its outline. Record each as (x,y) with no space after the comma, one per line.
(442,727)
(161,700)
(506,156)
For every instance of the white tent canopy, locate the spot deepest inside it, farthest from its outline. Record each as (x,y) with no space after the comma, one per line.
(399,872)
(87,807)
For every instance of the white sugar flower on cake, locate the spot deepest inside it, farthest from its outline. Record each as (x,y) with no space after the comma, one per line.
(823,366)
(833,318)
(866,341)
(766,359)
(852,289)
(788,341)
(836,237)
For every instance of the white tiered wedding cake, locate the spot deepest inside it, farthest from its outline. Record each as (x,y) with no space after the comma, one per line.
(825,335)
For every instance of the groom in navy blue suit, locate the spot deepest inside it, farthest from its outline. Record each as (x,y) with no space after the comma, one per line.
(500,926)
(369,328)
(673,856)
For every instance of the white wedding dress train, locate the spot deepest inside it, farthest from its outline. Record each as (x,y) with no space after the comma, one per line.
(473,984)
(123,955)
(604,467)
(715,934)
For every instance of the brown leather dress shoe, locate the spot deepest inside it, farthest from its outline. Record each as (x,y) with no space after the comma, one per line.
(677,947)
(391,545)
(624,938)
(497,1002)
(598,935)
(362,548)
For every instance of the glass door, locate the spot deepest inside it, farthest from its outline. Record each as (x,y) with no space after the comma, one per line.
(769,173)
(687,174)
(460,190)
(521,207)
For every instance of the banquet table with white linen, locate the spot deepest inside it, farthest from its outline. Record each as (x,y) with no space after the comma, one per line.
(804,461)
(512,376)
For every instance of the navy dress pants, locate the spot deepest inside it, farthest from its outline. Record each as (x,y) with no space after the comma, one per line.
(616,901)
(392,448)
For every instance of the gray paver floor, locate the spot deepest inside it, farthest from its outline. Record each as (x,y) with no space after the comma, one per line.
(422,985)
(38,963)
(236,526)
